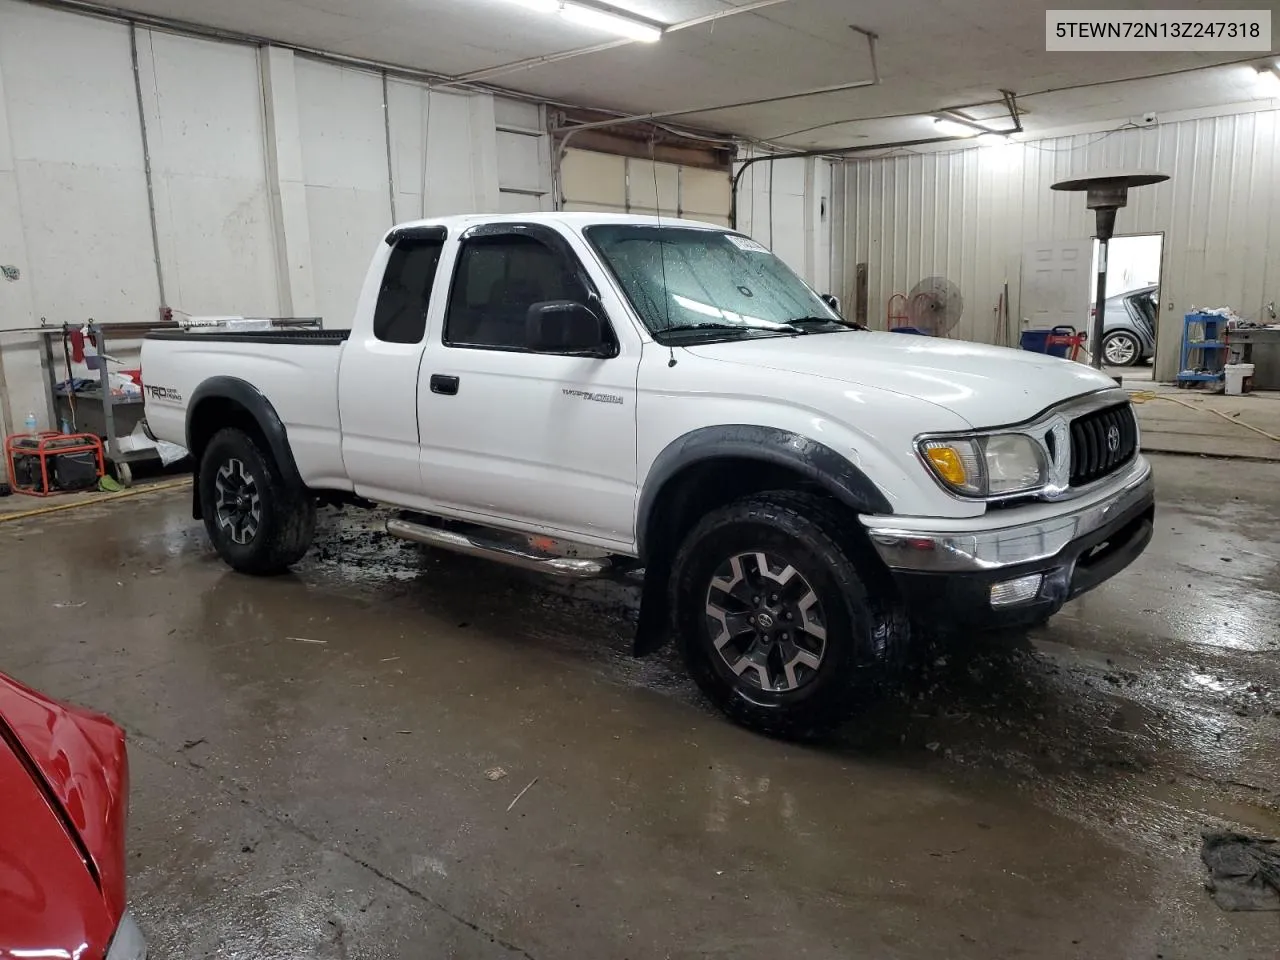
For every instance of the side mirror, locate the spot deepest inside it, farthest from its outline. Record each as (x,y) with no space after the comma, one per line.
(567,327)
(832,301)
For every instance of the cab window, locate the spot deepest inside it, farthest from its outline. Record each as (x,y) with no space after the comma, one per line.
(401,313)
(496,281)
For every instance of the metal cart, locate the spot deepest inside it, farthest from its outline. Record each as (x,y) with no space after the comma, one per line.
(94,409)
(1204,349)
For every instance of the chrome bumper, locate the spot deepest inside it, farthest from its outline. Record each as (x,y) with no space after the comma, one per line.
(937,545)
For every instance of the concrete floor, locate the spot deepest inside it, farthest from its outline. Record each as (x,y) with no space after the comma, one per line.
(313,756)
(1141,373)
(1196,422)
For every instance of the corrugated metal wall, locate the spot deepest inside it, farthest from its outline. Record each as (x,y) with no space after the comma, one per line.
(968,214)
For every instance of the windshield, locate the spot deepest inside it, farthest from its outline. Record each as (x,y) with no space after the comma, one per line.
(690,284)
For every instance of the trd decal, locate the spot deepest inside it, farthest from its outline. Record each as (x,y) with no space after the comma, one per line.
(163,393)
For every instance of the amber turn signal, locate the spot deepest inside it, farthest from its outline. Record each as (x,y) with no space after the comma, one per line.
(946,461)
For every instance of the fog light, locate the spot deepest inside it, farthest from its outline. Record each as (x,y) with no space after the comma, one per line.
(1015,591)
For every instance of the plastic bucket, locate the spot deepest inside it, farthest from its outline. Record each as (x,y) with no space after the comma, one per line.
(1034,340)
(1238,378)
(1037,341)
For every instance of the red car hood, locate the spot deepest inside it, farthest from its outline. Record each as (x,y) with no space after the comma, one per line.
(62,826)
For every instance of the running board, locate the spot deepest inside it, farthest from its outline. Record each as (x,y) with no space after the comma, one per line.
(573,568)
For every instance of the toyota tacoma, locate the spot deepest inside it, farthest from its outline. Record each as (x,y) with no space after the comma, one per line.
(590,394)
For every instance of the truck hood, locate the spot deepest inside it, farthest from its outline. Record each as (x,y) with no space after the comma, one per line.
(986,386)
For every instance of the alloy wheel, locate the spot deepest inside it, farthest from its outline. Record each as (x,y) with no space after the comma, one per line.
(766,622)
(239,504)
(1120,350)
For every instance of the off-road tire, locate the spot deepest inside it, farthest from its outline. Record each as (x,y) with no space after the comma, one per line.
(867,632)
(286,520)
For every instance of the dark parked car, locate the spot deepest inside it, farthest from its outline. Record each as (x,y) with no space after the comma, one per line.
(1129,324)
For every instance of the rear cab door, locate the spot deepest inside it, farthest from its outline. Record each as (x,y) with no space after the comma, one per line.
(539,441)
(378,380)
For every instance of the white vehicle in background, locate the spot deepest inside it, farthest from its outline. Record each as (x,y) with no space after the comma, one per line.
(583,394)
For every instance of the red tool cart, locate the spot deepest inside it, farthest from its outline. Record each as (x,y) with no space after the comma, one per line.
(1070,342)
(42,464)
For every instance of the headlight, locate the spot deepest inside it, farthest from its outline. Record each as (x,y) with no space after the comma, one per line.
(995,465)
(127,944)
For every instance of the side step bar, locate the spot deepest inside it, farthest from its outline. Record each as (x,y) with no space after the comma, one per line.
(573,568)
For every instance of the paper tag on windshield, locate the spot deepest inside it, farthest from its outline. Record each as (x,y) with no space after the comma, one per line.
(746,243)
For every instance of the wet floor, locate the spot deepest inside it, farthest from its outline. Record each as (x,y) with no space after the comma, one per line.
(398,753)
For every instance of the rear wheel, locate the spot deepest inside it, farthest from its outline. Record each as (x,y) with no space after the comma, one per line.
(258,523)
(775,619)
(1121,349)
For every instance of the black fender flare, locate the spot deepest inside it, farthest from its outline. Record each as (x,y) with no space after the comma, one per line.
(264,414)
(814,461)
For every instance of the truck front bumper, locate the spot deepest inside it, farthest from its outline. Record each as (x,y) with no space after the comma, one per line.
(973,573)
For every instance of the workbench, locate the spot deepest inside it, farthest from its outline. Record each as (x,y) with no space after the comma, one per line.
(1261,347)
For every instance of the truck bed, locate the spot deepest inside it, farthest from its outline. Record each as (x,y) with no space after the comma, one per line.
(294,370)
(315,338)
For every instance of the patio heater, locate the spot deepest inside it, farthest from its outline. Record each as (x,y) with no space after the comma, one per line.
(1105,194)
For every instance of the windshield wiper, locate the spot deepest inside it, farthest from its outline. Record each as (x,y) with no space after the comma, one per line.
(848,324)
(714,325)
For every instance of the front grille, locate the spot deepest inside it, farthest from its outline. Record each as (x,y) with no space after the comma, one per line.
(1092,456)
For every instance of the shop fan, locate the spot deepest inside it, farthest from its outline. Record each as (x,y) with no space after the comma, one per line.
(935,306)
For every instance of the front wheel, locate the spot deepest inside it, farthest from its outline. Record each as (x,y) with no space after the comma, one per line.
(1121,349)
(258,522)
(774,618)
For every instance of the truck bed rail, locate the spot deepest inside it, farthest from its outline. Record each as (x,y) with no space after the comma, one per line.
(316,338)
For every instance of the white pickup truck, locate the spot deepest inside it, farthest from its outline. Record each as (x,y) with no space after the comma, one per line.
(587,394)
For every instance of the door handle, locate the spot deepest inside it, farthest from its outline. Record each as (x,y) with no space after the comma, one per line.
(448,386)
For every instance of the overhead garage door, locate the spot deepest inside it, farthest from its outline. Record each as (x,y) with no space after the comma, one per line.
(602,181)
(704,195)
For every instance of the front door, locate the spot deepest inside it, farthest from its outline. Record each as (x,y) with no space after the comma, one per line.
(545,440)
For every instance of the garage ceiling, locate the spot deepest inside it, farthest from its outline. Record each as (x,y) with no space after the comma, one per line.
(933,54)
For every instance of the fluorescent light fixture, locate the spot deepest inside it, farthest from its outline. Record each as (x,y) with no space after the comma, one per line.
(954,129)
(618,23)
(1267,82)
(993,139)
(599,17)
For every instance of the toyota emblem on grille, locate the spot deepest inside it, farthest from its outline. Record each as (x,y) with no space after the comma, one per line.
(1113,438)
